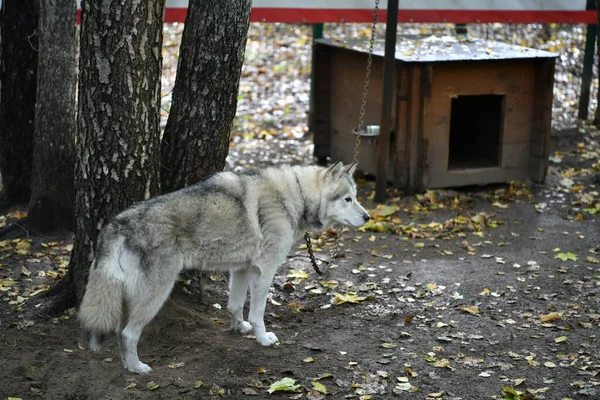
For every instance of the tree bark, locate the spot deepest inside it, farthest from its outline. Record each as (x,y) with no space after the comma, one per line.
(52,188)
(196,138)
(596,121)
(17,103)
(117,149)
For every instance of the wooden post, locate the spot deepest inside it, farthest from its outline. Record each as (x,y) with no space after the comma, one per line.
(383,144)
(317,33)
(588,64)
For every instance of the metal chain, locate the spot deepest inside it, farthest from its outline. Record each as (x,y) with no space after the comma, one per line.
(311,253)
(363,105)
(361,125)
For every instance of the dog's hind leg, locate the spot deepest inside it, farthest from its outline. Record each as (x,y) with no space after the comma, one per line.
(238,289)
(259,289)
(142,307)
(95,342)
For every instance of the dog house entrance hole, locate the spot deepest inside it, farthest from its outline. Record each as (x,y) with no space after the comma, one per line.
(476,124)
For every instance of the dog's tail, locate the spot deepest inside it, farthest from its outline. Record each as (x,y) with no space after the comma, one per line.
(102,305)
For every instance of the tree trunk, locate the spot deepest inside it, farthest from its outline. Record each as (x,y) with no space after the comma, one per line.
(196,138)
(117,149)
(597,114)
(52,187)
(17,104)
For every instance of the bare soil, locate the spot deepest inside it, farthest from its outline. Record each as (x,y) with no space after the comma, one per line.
(448,314)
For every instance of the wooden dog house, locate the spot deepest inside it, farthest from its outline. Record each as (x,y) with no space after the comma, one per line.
(465,112)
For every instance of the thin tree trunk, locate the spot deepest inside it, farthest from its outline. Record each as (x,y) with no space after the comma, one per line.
(597,114)
(196,138)
(52,189)
(118,143)
(17,104)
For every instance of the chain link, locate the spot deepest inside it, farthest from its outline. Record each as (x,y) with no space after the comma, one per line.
(361,125)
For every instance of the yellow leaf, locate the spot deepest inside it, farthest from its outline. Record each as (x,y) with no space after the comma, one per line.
(431,286)
(348,298)
(298,274)
(152,386)
(470,309)
(485,291)
(319,387)
(549,364)
(23,245)
(17,214)
(443,363)
(550,317)
(67,350)
(308,360)
(384,210)
(560,339)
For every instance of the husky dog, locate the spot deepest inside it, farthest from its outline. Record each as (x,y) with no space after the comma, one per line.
(242,223)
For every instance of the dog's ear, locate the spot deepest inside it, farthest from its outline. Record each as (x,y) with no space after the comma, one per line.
(351,169)
(335,170)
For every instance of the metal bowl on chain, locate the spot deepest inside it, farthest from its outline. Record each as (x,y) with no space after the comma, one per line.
(369,131)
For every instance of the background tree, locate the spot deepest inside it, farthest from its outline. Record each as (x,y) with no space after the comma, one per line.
(18,24)
(117,150)
(52,186)
(597,114)
(196,138)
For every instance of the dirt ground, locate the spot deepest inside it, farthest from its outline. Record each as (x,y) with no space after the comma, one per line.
(467,298)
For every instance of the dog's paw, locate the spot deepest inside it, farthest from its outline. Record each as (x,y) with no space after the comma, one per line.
(268,339)
(242,327)
(139,368)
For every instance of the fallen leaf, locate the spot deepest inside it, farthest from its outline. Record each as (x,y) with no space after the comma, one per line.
(566,256)
(347,298)
(298,274)
(285,384)
(17,214)
(152,386)
(384,210)
(443,363)
(560,339)
(470,309)
(550,317)
(319,387)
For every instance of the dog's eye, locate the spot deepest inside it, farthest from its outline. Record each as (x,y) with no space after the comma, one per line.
(348,199)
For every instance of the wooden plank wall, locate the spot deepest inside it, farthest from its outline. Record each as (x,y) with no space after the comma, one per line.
(512,78)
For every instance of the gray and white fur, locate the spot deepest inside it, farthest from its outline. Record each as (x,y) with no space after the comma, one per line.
(242,223)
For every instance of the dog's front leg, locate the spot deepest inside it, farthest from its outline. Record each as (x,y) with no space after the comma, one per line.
(259,288)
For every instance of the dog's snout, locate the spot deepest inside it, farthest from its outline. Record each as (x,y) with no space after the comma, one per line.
(366,217)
